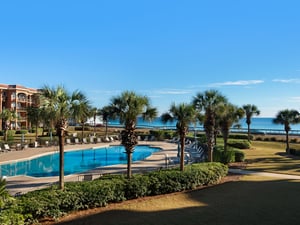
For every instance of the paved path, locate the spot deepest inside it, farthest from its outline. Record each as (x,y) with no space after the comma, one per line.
(23,184)
(266,174)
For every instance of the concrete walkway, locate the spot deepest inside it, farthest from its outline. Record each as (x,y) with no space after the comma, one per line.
(266,174)
(23,184)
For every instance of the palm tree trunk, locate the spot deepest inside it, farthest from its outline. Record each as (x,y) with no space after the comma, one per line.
(210,142)
(210,147)
(36,131)
(129,159)
(5,134)
(61,158)
(225,134)
(287,143)
(82,129)
(106,124)
(182,143)
(248,125)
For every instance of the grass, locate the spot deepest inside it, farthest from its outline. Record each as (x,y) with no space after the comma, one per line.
(270,157)
(250,200)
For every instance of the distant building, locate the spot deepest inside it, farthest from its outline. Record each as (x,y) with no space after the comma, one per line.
(18,98)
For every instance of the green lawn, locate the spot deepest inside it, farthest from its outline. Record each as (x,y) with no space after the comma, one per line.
(270,157)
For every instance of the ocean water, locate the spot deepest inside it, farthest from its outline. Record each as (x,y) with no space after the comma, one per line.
(259,124)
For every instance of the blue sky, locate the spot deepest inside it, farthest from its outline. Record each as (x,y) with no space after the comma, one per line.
(168,50)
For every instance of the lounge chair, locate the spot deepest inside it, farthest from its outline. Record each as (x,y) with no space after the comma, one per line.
(68,141)
(107,139)
(92,139)
(111,139)
(19,146)
(6,147)
(84,141)
(77,141)
(152,138)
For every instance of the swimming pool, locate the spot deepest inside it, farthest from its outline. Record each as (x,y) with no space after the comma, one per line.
(75,161)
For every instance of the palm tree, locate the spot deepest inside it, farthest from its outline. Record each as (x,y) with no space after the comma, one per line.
(95,112)
(81,109)
(65,106)
(34,116)
(287,117)
(208,102)
(184,114)
(250,110)
(127,107)
(106,113)
(7,116)
(228,114)
(48,101)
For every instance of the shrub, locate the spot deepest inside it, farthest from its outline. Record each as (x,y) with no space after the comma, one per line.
(53,203)
(9,209)
(294,140)
(80,128)
(258,138)
(161,134)
(239,156)
(240,136)
(219,155)
(21,132)
(273,139)
(239,144)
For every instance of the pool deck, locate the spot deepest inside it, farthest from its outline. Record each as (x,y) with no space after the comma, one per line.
(23,184)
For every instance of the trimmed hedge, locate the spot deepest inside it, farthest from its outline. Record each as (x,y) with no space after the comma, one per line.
(231,155)
(53,203)
(240,144)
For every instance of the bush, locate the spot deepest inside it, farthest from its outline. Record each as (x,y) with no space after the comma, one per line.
(239,144)
(53,203)
(219,155)
(80,128)
(259,139)
(239,156)
(32,131)
(240,136)
(161,134)
(21,132)
(202,138)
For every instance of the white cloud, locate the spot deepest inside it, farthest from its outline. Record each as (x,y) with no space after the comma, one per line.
(172,91)
(287,80)
(237,83)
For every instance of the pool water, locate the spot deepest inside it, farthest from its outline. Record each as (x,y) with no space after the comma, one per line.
(75,161)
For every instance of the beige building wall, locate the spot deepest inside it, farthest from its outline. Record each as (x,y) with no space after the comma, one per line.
(18,98)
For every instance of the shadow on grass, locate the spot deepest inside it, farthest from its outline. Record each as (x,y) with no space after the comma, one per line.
(280,163)
(245,202)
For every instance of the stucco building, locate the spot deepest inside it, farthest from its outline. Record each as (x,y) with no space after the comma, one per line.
(17,99)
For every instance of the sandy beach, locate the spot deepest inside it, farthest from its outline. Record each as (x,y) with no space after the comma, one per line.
(22,184)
